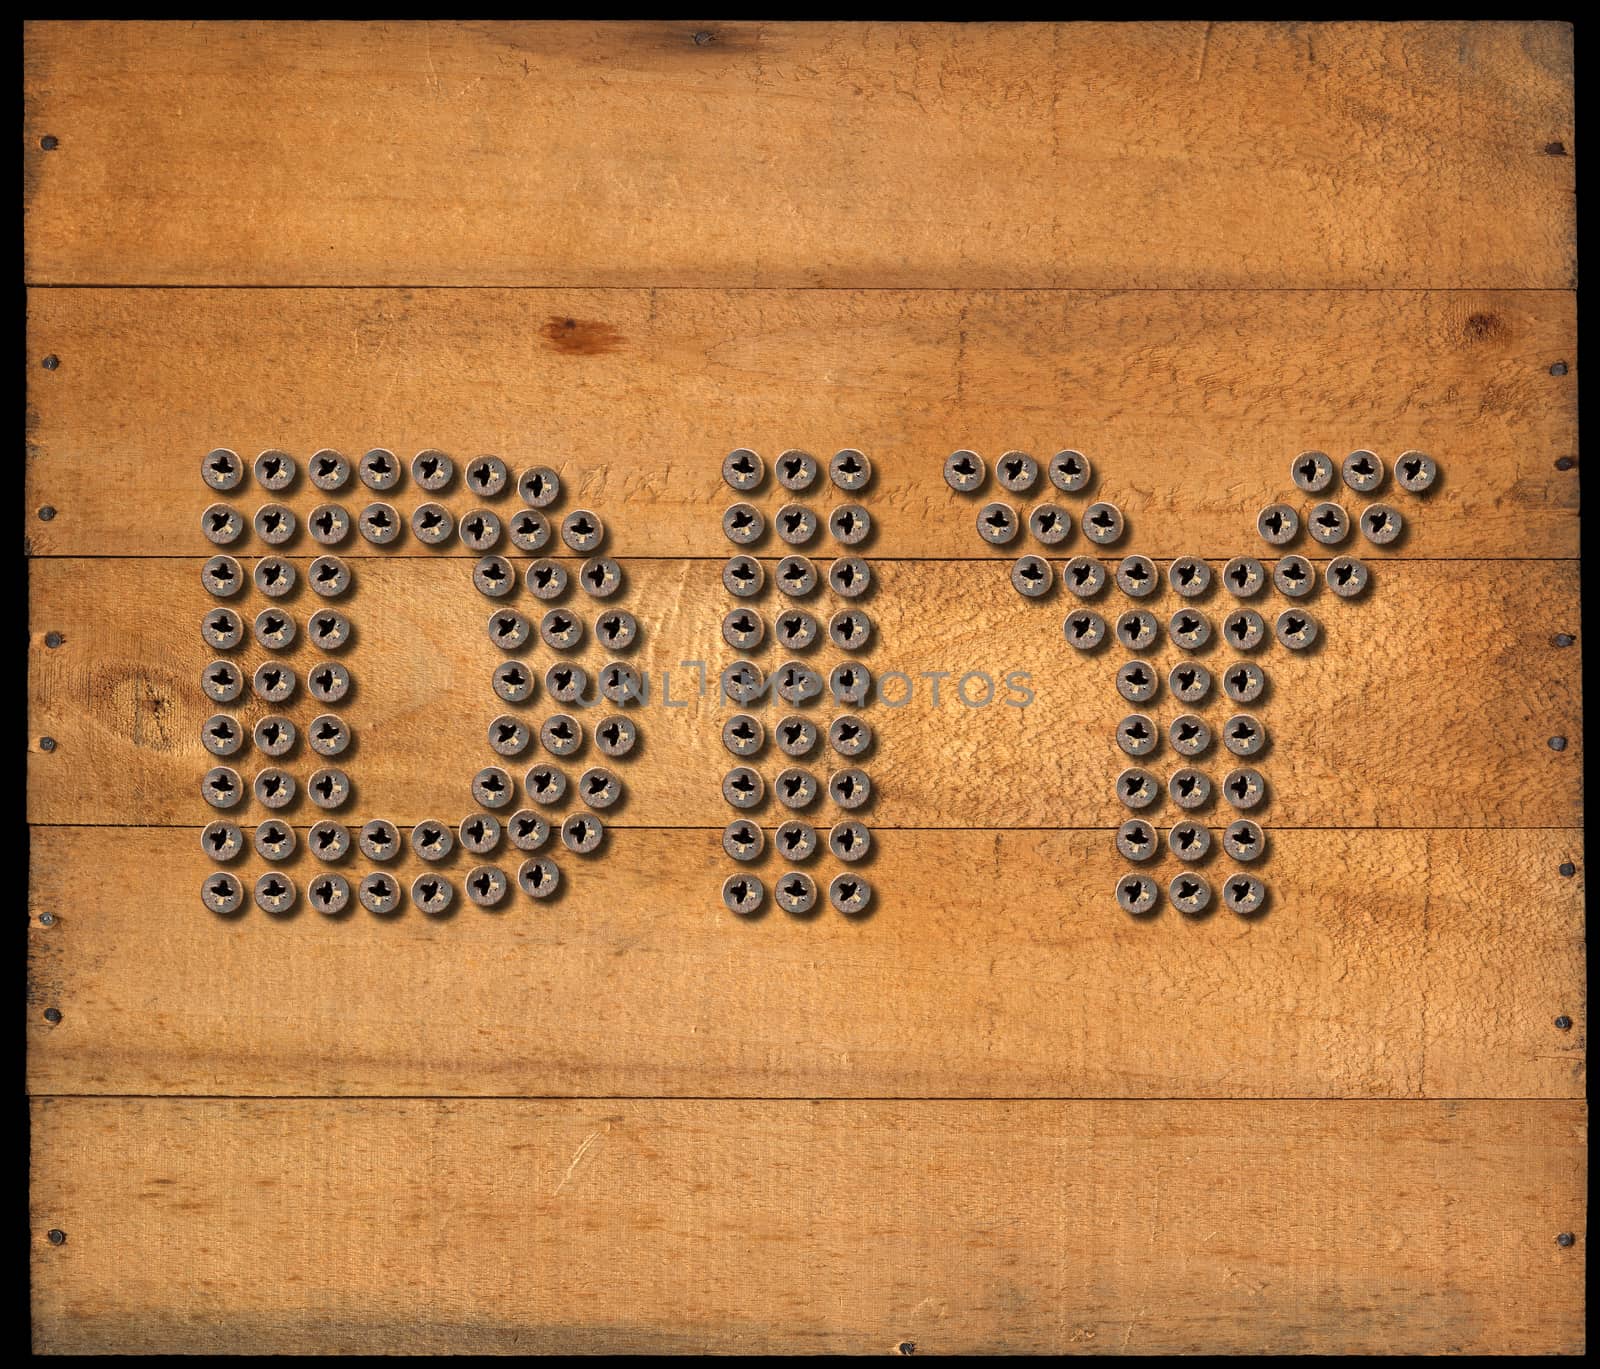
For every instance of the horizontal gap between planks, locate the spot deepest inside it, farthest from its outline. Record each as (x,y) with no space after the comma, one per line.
(770,554)
(221,815)
(1571,289)
(1247,1101)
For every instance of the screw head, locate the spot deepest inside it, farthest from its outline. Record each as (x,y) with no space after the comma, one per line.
(1565,1240)
(47,919)
(52,1015)
(1566,869)
(46,513)
(49,142)
(1563,1023)
(1558,368)
(56,1236)
(1566,463)
(47,743)
(1558,743)
(1562,639)
(53,639)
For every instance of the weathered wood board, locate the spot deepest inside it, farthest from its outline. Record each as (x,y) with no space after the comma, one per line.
(1372,976)
(681,1226)
(1191,405)
(995,1114)
(1452,659)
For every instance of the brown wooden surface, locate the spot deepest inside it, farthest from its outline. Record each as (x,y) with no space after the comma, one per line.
(801,155)
(532,1226)
(1373,974)
(996,1114)
(1448,661)
(1191,405)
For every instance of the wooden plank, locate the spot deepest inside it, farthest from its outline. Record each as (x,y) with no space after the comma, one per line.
(1367,155)
(1430,702)
(535,1226)
(1191,405)
(1390,964)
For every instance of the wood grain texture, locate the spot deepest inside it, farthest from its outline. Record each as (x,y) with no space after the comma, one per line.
(1389,964)
(801,155)
(533,1226)
(1429,703)
(1191,405)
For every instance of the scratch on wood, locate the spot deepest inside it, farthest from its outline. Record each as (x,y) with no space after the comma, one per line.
(1205,51)
(582,1150)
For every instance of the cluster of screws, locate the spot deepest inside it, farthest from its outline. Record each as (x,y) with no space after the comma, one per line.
(1048,523)
(1241,631)
(796,631)
(275,681)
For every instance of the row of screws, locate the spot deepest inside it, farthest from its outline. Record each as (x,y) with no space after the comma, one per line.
(380,469)
(796,893)
(1190,577)
(381,524)
(378,892)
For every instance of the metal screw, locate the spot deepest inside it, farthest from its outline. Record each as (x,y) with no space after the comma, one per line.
(52,1015)
(275,470)
(849,788)
(329,682)
(1243,894)
(222,469)
(273,576)
(328,524)
(1328,524)
(539,487)
(1136,840)
(222,893)
(220,523)
(796,892)
(1244,788)
(275,893)
(850,470)
(1189,682)
(796,736)
(1017,472)
(53,639)
(795,629)
(744,576)
(479,833)
(850,630)
(795,576)
(743,894)
(378,893)
(850,894)
(1296,629)
(1137,788)
(1311,471)
(1244,576)
(328,841)
(743,735)
(539,877)
(1070,471)
(1189,735)
(527,830)
(1136,576)
(432,470)
(1189,629)
(545,784)
(1084,576)
(582,833)
(582,531)
(1362,471)
(743,840)
(274,682)
(742,682)
(546,579)
(743,787)
(1137,735)
(1189,841)
(1566,1240)
(486,886)
(1136,682)
(1137,629)
(743,469)
(964,471)
(273,736)
(1562,1023)
(1244,735)
(1346,576)
(1050,524)
(1189,894)
(487,475)
(599,788)
(221,841)
(1566,463)
(509,630)
(1189,577)
(274,524)
(273,629)
(1381,524)
(849,841)
(529,530)
(329,787)
(849,683)
(479,530)
(432,894)
(1558,743)
(379,523)
(1415,472)
(379,469)
(47,512)
(1102,523)
(1278,524)
(795,841)
(1558,368)
(1243,840)
(997,523)
(743,524)
(1294,576)
(49,919)
(432,524)
(221,736)
(379,840)
(1562,639)
(492,787)
(1084,629)
(1189,788)
(797,470)
(1244,629)
(1137,894)
(849,735)
(329,894)
(795,788)
(56,1236)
